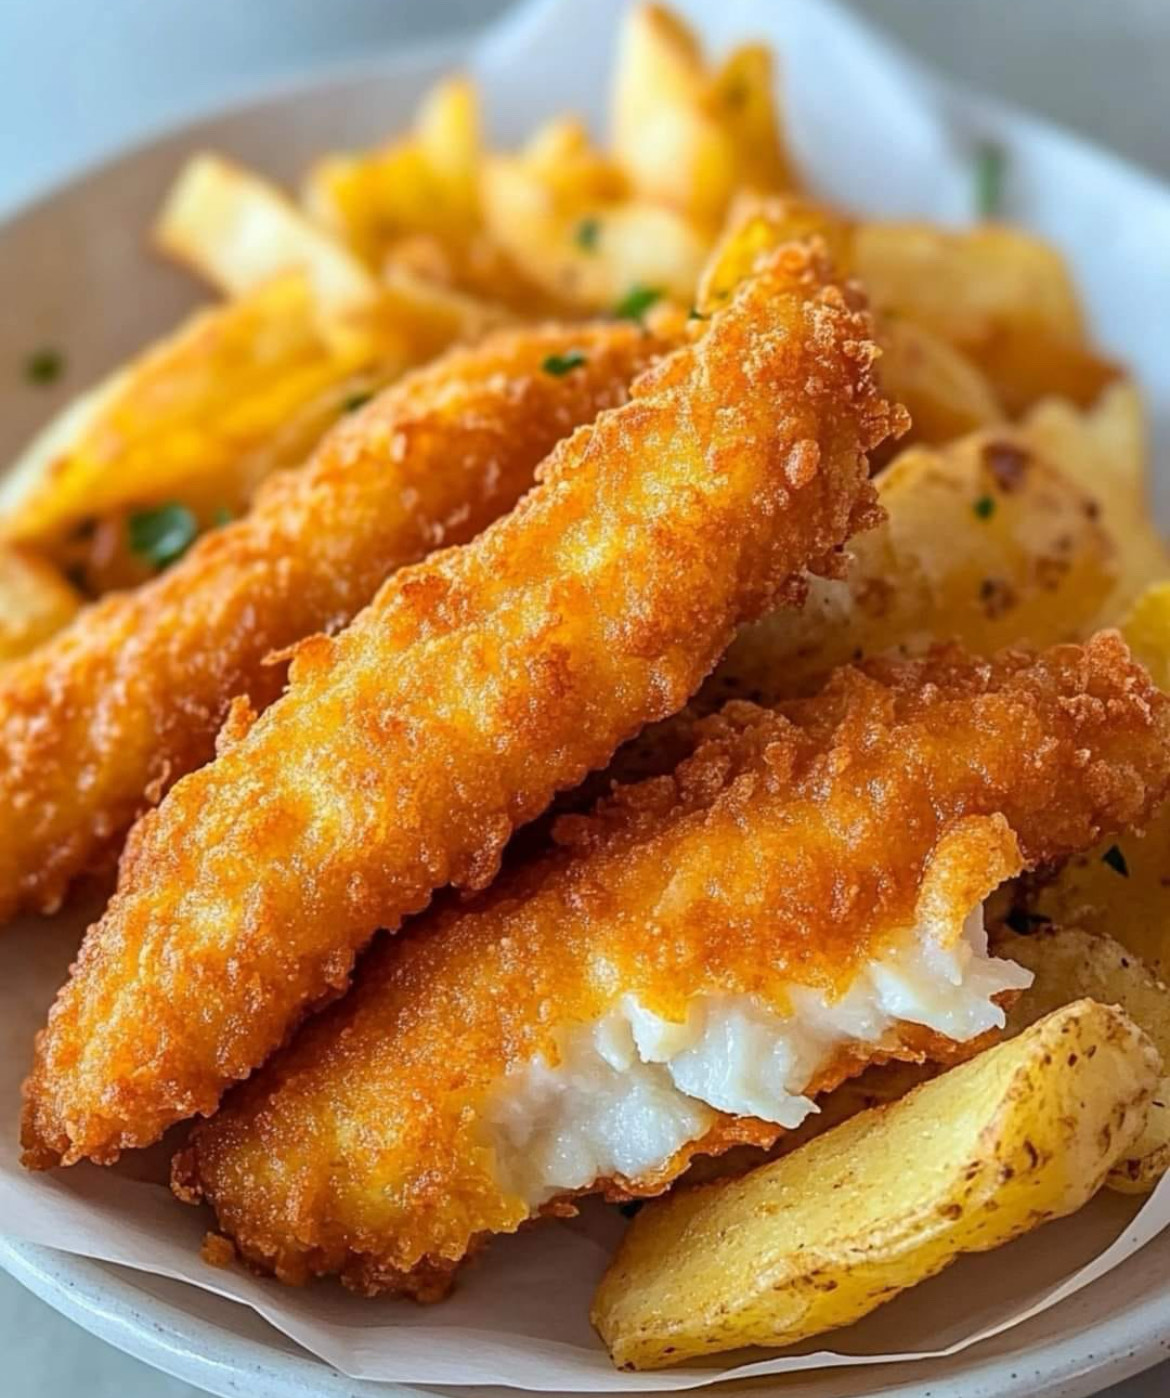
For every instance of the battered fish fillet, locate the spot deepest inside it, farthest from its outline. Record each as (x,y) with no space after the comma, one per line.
(698,960)
(476,684)
(100,721)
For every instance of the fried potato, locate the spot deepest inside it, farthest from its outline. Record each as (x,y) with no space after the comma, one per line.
(35,601)
(587,249)
(945,393)
(1002,296)
(985,543)
(688,137)
(236,391)
(239,231)
(424,183)
(1023,1133)
(1106,452)
(1072,964)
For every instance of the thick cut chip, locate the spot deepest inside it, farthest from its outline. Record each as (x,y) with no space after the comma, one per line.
(239,389)
(239,231)
(984,543)
(424,183)
(1026,1132)
(689,137)
(1071,964)
(35,601)
(568,224)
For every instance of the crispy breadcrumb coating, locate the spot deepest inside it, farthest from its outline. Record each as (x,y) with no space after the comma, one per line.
(477,684)
(100,721)
(793,847)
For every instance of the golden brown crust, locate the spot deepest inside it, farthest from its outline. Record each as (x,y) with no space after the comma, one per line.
(473,687)
(101,720)
(792,845)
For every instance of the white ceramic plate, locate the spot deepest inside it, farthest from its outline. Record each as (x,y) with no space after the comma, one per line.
(59,286)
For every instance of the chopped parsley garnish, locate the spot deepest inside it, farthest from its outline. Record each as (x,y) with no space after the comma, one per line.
(697,314)
(586,234)
(636,302)
(1116,861)
(984,507)
(162,535)
(990,163)
(1023,922)
(44,366)
(560,364)
(355,401)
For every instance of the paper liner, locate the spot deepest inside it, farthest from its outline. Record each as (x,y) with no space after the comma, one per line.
(877,134)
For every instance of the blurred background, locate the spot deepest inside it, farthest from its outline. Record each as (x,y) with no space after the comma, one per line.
(80,79)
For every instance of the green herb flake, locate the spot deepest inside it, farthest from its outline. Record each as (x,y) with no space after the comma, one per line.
(984,507)
(697,314)
(355,401)
(990,164)
(1116,861)
(587,233)
(44,366)
(560,364)
(636,302)
(221,516)
(162,535)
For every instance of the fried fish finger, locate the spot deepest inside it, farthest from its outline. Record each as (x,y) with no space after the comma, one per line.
(99,722)
(478,683)
(698,960)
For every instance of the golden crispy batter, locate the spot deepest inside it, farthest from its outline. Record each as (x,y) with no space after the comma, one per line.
(793,846)
(96,724)
(474,686)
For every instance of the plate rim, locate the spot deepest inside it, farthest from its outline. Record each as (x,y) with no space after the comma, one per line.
(104,1300)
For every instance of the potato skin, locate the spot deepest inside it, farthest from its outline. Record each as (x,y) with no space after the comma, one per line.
(1024,1133)
(1070,963)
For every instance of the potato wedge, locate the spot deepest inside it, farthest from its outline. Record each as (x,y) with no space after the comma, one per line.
(1106,451)
(1002,296)
(1072,964)
(985,543)
(1023,1133)
(35,601)
(235,392)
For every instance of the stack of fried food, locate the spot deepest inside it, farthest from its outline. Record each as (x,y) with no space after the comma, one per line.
(774,552)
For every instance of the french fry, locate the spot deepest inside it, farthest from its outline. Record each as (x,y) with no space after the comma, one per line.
(588,253)
(1025,1132)
(239,231)
(35,601)
(234,393)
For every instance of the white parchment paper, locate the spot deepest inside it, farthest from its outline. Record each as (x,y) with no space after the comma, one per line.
(881,136)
